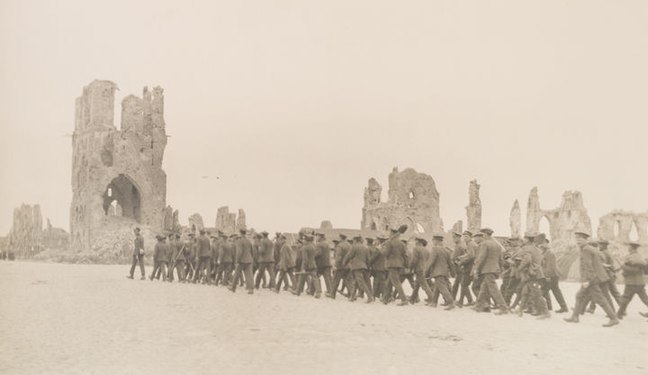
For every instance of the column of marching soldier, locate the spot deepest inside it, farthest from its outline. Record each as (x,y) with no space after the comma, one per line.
(377,268)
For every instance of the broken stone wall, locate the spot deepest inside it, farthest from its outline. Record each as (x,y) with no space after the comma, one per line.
(412,199)
(171,220)
(474,208)
(571,216)
(25,236)
(618,226)
(515,220)
(228,222)
(117,175)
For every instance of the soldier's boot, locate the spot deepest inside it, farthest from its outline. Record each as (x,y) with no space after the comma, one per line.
(318,294)
(544,316)
(450,306)
(403,303)
(130,277)
(503,310)
(572,319)
(611,322)
(645,315)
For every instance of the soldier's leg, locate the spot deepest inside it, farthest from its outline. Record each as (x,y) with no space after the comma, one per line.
(180,266)
(443,285)
(614,292)
(494,291)
(237,277)
(259,275)
(248,278)
(271,274)
(326,274)
(546,286)
(628,294)
(539,302)
(163,270)
(280,280)
(555,289)
(362,285)
(422,281)
(597,296)
(379,283)
(394,277)
(466,280)
(133,265)
(456,284)
(337,277)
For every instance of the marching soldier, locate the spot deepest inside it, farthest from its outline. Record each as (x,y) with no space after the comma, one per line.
(420,264)
(459,251)
(309,268)
(225,260)
(266,260)
(395,261)
(286,265)
(531,277)
(323,261)
(243,260)
(203,256)
(608,288)
(592,275)
(177,259)
(341,272)
(159,258)
(442,268)
(633,276)
(552,278)
(377,265)
(511,263)
(464,265)
(138,255)
(190,256)
(487,268)
(356,260)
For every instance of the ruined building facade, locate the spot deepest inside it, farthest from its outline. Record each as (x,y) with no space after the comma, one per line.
(571,216)
(228,222)
(618,226)
(474,208)
(412,199)
(117,176)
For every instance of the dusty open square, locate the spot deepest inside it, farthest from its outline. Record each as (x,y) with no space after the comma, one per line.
(82,319)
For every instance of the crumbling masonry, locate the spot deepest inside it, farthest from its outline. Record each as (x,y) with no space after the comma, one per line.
(117,176)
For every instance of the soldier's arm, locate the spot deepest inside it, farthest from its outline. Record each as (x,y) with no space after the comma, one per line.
(480,257)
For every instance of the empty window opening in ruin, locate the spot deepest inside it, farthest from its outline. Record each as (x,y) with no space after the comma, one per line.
(419,228)
(373,226)
(617,228)
(411,195)
(634,233)
(122,198)
(544,226)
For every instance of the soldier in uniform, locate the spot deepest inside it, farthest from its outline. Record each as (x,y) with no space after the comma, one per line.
(532,277)
(243,260)
(215,248)
(286,265)
(633,276)
(377,265)
(190,256)
(487,267)
(592,275)
(511,262)
(442,268)
(323,261)
(266,260)
(395,262)
(420,264)
(225,259)
(608,288)
(341,272)
(203,256)
(138,255)
(464,266)
(552,278)
(357,260)
(459,251)
(159,257)
(309,268)
(177,259)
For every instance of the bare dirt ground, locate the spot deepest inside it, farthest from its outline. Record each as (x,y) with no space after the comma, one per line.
(90,319)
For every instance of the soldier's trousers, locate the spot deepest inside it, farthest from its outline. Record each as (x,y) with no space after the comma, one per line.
(243,270)
(379,280)
(488,289)
(442,286)
(360,276)
(593,292)
(325,273)
(393,277)
(137,259)
(283,278)
(456,284)
(476,284)
(341,274)
(511,289)
(265,266)
(422,283)
(224,273)
(190,270)
(160,268)
(628,293)
(179,266)
(531,292)
(204,264)
(552,285)
(466,279)
(312,275)
(610,291)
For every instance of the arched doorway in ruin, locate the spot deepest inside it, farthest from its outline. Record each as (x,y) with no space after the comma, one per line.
(634,233)
(122,198)
(544,226)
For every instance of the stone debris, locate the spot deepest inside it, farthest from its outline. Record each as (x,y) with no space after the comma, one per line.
(474,208)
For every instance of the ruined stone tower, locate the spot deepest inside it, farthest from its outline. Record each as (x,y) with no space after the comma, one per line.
(117,176)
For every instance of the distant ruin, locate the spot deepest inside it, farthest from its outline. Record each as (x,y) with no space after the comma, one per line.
(618,226)
(474,208)
(571,216)
(228,222)
(412,199)
(117,176)
(27,236)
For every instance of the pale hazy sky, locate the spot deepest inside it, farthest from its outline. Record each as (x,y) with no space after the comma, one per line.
(295,104)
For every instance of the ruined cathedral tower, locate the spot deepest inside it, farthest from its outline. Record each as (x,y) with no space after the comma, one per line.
(117,177)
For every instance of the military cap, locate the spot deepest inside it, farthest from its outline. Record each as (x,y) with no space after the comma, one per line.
(202,231)
(343,236)
(634,244)
(540,236)
(369,240)
(603,242)
(487,231)
(381,237)
(581,234)
(394,230)
(137,229)
(336,241)
(242,231)
(404,241)
(530,235)
(308,237)
(192,234)
(264,233)
(456,234)
(422,241)
(514,239)
(320,234)
(478,234)
(233,235)
(357,237)
(468,233)
(277,234)
(438,237)
(177,235)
